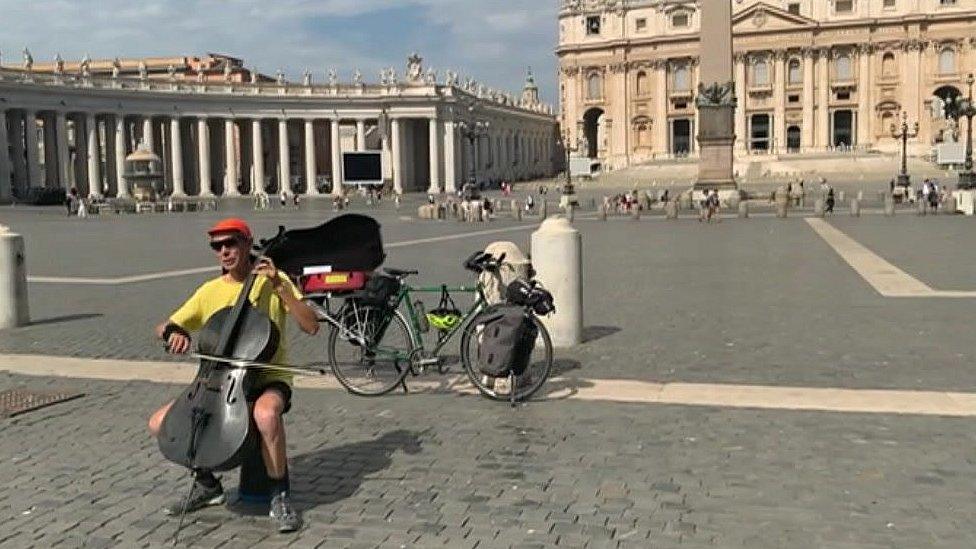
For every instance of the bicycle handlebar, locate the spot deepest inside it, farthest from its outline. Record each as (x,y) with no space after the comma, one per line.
(479,262)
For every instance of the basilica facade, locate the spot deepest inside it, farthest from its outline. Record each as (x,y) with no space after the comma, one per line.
(811,76)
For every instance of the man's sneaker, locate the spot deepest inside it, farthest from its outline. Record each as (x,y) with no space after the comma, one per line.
(283,515)
(201,497)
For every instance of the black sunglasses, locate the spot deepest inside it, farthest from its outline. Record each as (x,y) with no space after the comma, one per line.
(217,245)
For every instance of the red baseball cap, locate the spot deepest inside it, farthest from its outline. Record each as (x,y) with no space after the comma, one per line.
(231,225)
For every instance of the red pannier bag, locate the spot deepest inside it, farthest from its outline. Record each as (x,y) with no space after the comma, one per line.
(340,281)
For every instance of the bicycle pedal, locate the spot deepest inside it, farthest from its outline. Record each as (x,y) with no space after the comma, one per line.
(429,361)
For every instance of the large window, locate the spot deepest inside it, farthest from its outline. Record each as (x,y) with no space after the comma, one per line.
(594,87)
(842,67)
(888,67)
(682,78)
(680,20)
(844,6)
(593,25)
(643,88)
(947,61)
(760,73)
(795,72)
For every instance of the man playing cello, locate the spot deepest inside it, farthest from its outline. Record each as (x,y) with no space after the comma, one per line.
(274,294)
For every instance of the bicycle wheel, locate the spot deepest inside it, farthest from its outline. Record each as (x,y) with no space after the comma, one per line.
(526,385)
(377,367)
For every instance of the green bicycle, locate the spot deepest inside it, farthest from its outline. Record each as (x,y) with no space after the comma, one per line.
(375,344)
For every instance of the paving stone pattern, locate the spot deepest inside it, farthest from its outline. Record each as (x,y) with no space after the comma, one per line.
(442,471)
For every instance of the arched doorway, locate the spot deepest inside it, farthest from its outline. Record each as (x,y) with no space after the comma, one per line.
(793,139)
(843,128)
(593,131)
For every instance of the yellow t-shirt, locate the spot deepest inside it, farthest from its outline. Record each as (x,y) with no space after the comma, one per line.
(219,293)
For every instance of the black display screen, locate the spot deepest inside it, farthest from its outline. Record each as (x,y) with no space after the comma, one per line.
(361,168)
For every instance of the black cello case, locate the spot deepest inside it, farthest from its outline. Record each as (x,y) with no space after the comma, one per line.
(350,242)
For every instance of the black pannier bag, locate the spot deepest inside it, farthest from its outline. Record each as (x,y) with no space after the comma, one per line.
(349,242)
(506,340)
(380,291)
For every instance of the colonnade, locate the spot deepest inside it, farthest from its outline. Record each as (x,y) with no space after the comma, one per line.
(205,155)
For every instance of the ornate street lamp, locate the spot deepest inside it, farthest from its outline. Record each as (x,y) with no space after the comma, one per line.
(904,133)
(957,108)
(568,189)
(473,129)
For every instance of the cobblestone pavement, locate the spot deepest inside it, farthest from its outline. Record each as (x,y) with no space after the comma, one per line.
(440,471)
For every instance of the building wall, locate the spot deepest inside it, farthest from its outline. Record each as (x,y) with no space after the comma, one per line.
(870,64)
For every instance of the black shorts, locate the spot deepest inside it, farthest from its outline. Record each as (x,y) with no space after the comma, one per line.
(260,387)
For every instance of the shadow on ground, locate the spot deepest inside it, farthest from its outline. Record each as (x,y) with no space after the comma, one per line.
(332,474)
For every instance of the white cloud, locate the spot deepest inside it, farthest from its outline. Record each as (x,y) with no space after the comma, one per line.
(492,40)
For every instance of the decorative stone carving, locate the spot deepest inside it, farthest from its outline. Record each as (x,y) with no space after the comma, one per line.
(227,72)
(415,68)
(143,70)
(86,67)
(58,65)
(431,77)
(280,77)
(357,77)
(28,61)
(201,77)
(333,77)
(116,68)
(307,78)
(716,95)
(450,78)
(171,73)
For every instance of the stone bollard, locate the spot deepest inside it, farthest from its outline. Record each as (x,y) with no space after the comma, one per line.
(855,207)
(557,256)
(671,209)
(516,210)
(889,205)
(818,207)
(782,206)
(921,207)
(13,280)
(743,210)
(544,209)
(571,212)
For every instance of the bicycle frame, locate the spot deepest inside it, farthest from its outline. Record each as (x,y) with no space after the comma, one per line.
(480,303)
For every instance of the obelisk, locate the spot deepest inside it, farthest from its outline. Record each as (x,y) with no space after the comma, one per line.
(716,99)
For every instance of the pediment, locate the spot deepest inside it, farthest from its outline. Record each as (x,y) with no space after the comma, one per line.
(762,17)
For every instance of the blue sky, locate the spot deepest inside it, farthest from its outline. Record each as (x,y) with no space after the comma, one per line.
(492,40)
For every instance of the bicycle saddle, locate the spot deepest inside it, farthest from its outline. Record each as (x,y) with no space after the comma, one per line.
(399,273)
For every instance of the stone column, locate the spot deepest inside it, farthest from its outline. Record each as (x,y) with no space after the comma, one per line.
(741,136)
(387,155)
(806,136)
(33,150)
(336,147)
(61,144)
(176,152)
(435,156)
(94,158)
(257,160)
(50,152)
(660,108)
(864,96)
(779,101)
(148,137)
(716,131)
(123,188)
(284,157)
(230,159)
(203,150)
(450,157)
(18,149)
(823,99)
(911,101)
(397,144)
(6,167)
(360,135)
(311,170)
